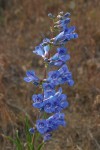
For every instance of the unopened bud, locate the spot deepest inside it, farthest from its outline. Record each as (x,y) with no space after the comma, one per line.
(51,16)
(57,22)
(52,40)
(59,16)
(61,13)
(57,26)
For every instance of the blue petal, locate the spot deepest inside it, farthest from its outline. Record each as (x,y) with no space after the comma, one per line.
(58,63)
(64,104)
(47,94)
(30,73)
(65,21)
(47,137)
(61,50)
(70,82)
(39,50)
(48,86)
(53,74)
(37,98)
(64,58)
(46,48)
(67,15)
(28,79)
(63,97)
(71,29)
(55,57)
(59,37)
(75,35)
(38,105)
(59,92)
(63,69)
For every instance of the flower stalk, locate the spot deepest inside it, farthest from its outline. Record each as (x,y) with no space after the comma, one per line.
(51,102)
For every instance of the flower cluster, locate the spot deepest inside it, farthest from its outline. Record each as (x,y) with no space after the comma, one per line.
(51,101)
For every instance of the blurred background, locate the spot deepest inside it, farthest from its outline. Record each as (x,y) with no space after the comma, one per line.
(23,24)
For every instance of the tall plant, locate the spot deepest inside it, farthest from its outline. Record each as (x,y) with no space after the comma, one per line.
(51,101)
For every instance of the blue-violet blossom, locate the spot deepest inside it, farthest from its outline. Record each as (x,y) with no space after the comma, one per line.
(50,101)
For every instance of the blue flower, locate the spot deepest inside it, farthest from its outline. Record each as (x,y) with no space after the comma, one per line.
(48,86)
(60,76)
(63,23)
(59,38)
(43,48)
(59,119)
(55,103)
(49,106)
(41,126)
(63,37)
(51,124)
(48,89)
(62,100)
(56,120)
(52,104)
(31,77)
(53,77)
(52,101)
(46,126)
(65,76)
(49,102)
(66,33)
(70,29)
(60,57)
(38,100)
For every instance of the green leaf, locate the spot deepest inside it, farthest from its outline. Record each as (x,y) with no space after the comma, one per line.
(11,139)
(18,142)
(40,146)
(29,137)
(27,127)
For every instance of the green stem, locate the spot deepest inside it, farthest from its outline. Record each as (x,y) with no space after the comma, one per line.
(33,141)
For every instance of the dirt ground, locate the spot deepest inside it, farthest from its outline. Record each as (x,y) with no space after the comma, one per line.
(23,24)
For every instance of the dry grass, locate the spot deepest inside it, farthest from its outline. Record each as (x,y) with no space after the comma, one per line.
(23,25)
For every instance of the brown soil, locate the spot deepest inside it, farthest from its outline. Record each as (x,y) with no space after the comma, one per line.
(23,23)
